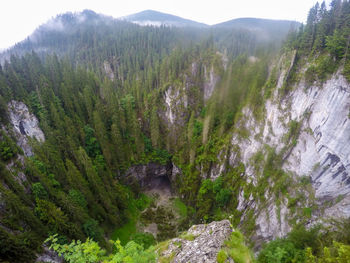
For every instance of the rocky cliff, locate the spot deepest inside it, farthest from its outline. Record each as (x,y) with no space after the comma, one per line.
(196,87)
(25,126)
(308,130)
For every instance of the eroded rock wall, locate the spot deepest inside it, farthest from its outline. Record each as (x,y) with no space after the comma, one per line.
(25,126)
(320,151)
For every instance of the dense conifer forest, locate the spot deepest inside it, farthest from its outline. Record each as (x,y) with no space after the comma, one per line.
(98,91)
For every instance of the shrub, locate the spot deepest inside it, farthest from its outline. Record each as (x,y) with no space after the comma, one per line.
(90,251)
(92,230)
(236,249)
(223,197)
(39,191)
(338,253)
(292,248)
(78,198)
(280,250)
(144,239)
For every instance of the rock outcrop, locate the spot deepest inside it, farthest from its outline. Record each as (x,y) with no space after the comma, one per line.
(49,256)
(211,79)
(108,70)
(176,102)
(180,96)
(200,244)
(25,126)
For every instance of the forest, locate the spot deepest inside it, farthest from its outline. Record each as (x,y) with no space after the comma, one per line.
(98,126)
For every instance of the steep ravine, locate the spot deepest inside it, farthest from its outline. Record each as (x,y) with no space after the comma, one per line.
(308,129)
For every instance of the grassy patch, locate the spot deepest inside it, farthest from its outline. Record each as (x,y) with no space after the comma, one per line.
(236,249)
(187,236)
(127,230)
(221,257)
(307,211)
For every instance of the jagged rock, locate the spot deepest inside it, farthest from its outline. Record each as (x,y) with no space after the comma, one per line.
(176,171)
(207,242)
(108,70)
(211,80)
(270,224)
(25,125)
(176,101)
(49,256)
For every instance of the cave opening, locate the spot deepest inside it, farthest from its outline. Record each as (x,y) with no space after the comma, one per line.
(159,186)
(159,182)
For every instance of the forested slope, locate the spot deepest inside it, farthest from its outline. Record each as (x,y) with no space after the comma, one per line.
(228,111)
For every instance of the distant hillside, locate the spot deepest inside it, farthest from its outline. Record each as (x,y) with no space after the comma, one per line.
(267,27)
(89,38)
(155,18)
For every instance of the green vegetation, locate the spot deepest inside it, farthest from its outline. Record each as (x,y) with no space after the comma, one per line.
(337,253)
(210,195)
(236,249)
(8,149)
(96,128)
(180,207)
(126,232)
(317,244)
(323,42)
(90,251)
(164,218)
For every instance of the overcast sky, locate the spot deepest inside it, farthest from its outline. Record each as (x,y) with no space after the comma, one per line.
(19,18)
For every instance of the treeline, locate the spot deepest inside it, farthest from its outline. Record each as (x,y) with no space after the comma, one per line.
(324,41)
(325,28)
(89,39)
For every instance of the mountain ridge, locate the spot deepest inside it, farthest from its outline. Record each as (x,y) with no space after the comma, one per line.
(68,20)
(153,17)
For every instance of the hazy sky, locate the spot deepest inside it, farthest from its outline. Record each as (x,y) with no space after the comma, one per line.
(19,18)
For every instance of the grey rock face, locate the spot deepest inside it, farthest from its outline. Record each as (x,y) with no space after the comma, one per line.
(108,70)
(207,242)
(49,256)
(25,125)
(325,153)
(322,150)
(210,83)
(175,101)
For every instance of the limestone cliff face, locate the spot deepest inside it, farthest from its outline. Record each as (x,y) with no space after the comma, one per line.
(108,70)
(25,125)
(211,79)
(320,151)
(181,97)
(323,150)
